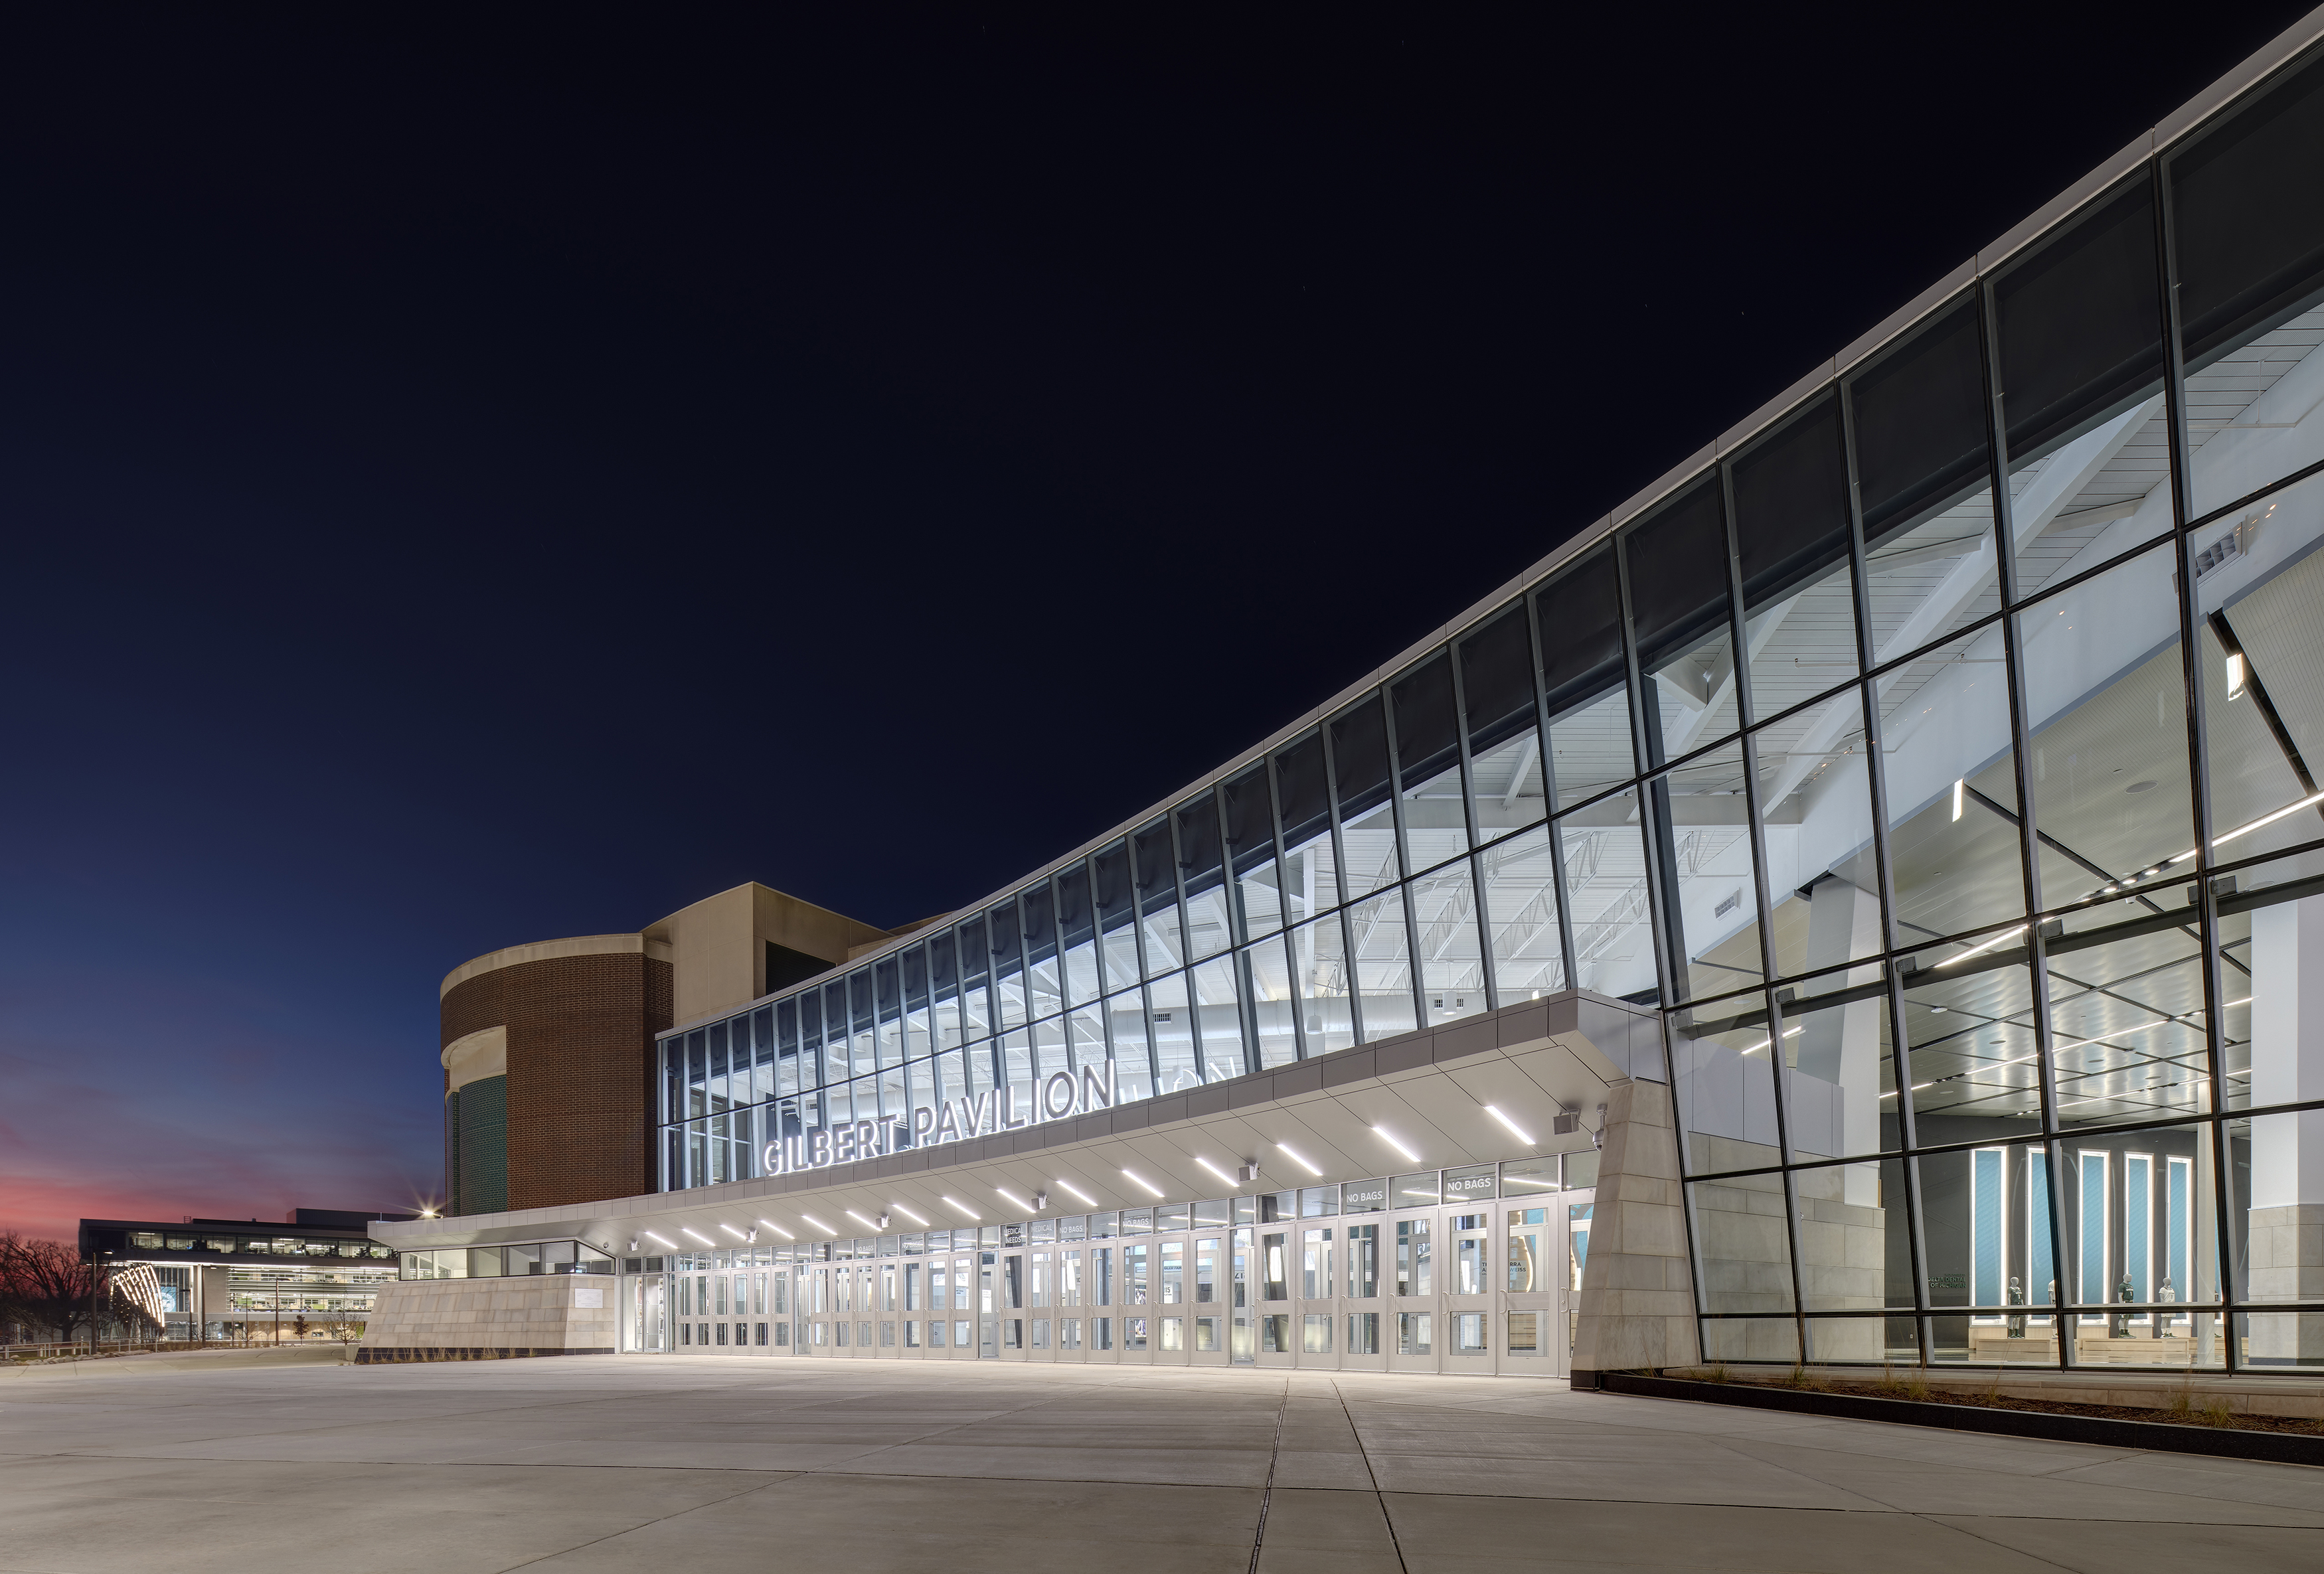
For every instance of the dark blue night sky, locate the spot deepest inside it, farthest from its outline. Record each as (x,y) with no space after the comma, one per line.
(469,481)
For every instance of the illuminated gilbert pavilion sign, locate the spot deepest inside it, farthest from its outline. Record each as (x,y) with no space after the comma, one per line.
(1060,1098)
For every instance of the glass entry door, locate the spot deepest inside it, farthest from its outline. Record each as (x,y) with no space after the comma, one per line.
(1412,1331)
(648,1320)
(1362,1330)
(1533,1333)
(1468,1292)
(987,1316)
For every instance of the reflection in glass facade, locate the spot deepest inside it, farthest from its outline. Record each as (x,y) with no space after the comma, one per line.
(1940,762)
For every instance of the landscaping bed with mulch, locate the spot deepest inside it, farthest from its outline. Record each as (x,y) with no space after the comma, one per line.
(2217,1431)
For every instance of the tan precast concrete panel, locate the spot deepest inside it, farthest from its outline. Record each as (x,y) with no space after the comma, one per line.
(712,951)
(478,1056)
(541,950)
(718,944)
(803,926)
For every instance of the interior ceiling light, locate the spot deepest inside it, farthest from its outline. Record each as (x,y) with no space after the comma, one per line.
(1788,1033)
(2237,673)
(777,1229)
(2223,837)
(2002,939)
(1296,1159)
(1142,1181)
(1494,1111)
(1960,790)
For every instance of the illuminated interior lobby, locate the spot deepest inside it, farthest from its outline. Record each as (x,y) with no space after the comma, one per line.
(1858,901)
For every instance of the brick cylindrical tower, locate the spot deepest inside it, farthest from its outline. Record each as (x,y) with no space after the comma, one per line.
(546,1053)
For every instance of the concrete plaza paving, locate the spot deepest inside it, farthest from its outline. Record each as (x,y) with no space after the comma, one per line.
(604,1463)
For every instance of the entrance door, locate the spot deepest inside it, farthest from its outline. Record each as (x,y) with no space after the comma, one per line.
(987,1318)
(1468,1333)
(1174,1337)
(1140,1332)
(1363,1328)
(1317,1292)
(1532,1291)
(1207,1303)
(1272,1277)
(1577,1209)
(649,1322)
(781,1310)
(1242,1336)
(1414,1331)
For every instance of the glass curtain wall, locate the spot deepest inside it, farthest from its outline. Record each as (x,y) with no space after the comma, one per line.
(1941,762)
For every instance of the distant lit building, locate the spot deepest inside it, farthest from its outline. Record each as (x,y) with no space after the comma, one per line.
(227,1278)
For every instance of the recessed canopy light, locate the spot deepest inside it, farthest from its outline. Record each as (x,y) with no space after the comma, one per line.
(1086,1198)
(964,1207)
(779,1229)
(908,1213)
(1389,1137)
(1142,1181)
(1514,1128)
(1296,1159)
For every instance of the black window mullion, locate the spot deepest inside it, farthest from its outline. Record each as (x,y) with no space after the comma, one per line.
(1468,808)
(1642,715)
(2028,854)
(1283,904)
(1339,882)
(1900,1050)
(1403,855)
(2198,776)
(1549,793)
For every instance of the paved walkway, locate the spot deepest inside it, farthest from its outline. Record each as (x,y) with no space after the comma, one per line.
(597,1464)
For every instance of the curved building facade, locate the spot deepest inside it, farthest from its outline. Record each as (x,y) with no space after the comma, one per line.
(545,1055)
(1885,857)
